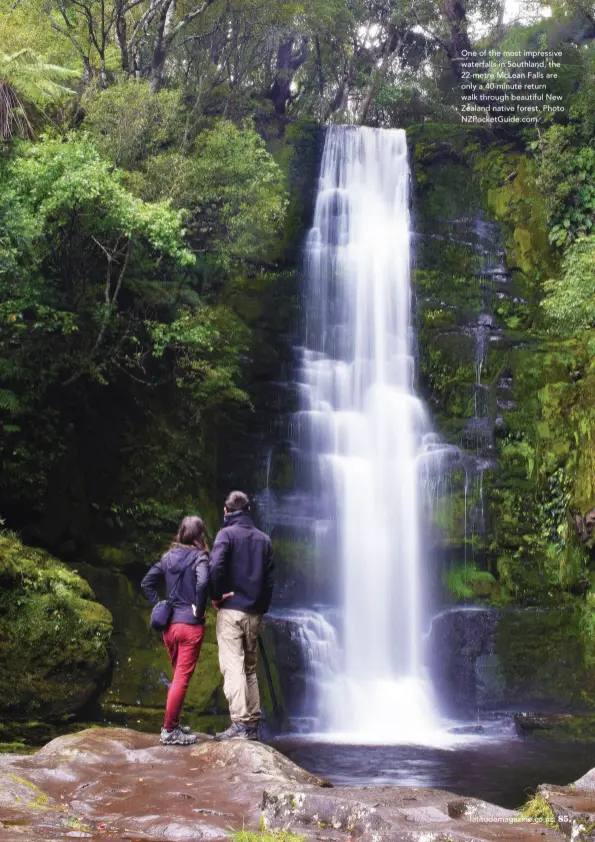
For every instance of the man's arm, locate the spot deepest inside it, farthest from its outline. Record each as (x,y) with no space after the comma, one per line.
(150,583)
(218,563)
(202,579)
(269,581)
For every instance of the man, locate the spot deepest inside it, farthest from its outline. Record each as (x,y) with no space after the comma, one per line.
(241,574)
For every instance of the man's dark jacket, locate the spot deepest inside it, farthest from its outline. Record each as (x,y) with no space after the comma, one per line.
(242,561)
(192,566)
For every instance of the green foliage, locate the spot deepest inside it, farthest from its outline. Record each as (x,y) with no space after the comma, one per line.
(467,582)
(29,84)
(570,303)
(566,177)
(54,180)
(537,809)
(205,343)
(97,287)
(233,189)
(153,122)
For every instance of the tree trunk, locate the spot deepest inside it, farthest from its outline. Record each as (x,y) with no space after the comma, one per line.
(286,66)
(454,14)
(122,38)
(164,25)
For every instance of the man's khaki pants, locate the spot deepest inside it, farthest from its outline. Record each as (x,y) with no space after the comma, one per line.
(237,636)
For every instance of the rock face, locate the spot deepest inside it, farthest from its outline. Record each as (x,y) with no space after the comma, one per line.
(142,671)
(119,784)
(54,636)
(513,659)
(461,642)
(287,664)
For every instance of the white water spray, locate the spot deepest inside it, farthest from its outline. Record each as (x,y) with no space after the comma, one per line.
(367,431)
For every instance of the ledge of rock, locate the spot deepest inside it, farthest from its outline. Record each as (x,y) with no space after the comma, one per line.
(116,783)
(574,807)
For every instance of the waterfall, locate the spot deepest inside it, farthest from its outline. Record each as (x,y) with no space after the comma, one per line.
(367,434)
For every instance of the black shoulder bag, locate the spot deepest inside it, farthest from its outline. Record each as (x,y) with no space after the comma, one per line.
(162,610)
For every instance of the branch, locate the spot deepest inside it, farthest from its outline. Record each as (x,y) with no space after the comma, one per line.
(188,19)
(109,304)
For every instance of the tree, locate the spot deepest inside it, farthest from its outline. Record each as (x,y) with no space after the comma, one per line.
(28,85)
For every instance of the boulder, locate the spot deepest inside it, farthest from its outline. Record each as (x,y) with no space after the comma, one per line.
(397,814)
(141,670)
(518,659)
(118,783)
(54,636)
(573,807)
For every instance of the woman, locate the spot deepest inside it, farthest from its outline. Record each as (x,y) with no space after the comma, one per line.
(184,570)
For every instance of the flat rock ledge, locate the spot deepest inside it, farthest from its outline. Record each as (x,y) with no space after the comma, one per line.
(119,784)
(574,807)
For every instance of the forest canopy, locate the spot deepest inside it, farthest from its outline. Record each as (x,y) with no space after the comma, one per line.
(149,156)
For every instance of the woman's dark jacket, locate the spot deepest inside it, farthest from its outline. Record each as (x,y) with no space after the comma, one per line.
(192,568)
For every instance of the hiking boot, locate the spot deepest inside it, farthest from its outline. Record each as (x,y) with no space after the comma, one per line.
(177,737)
(252,731)
(236,731)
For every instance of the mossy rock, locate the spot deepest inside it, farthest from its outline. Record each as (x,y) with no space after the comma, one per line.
(141,670)
(542,660)
(54,636)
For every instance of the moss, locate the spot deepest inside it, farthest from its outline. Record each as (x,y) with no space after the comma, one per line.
(25,782)
(15,747)
(54,637)
(576,728)
(271,691)
(467,582)
(542,659)
(150,719)
(267,836)
(544,436)
(141,668)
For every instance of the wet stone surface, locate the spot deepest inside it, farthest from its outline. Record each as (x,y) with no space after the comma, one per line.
(119,784)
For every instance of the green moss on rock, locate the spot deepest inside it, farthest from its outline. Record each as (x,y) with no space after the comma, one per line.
(54,636)
(142,671)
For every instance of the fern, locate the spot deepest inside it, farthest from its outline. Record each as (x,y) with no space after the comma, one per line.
(27,81)
(460,581)
(9,402)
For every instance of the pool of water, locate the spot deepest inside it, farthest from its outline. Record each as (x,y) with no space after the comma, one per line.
(503,771)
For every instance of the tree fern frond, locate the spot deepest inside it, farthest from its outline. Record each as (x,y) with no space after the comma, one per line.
(9,401)
(27,80)
(13,118)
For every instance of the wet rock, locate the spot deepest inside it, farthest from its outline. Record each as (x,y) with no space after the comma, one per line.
(281,640)
(486,659)
(461,647)
(120,784)
(124,780)
(573,807)
(398,814)
(526,723)
(467,729)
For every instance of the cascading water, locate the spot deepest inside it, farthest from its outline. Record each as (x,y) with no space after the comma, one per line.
(367,432)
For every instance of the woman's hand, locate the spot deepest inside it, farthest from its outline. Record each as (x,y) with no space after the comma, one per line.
(217,605)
